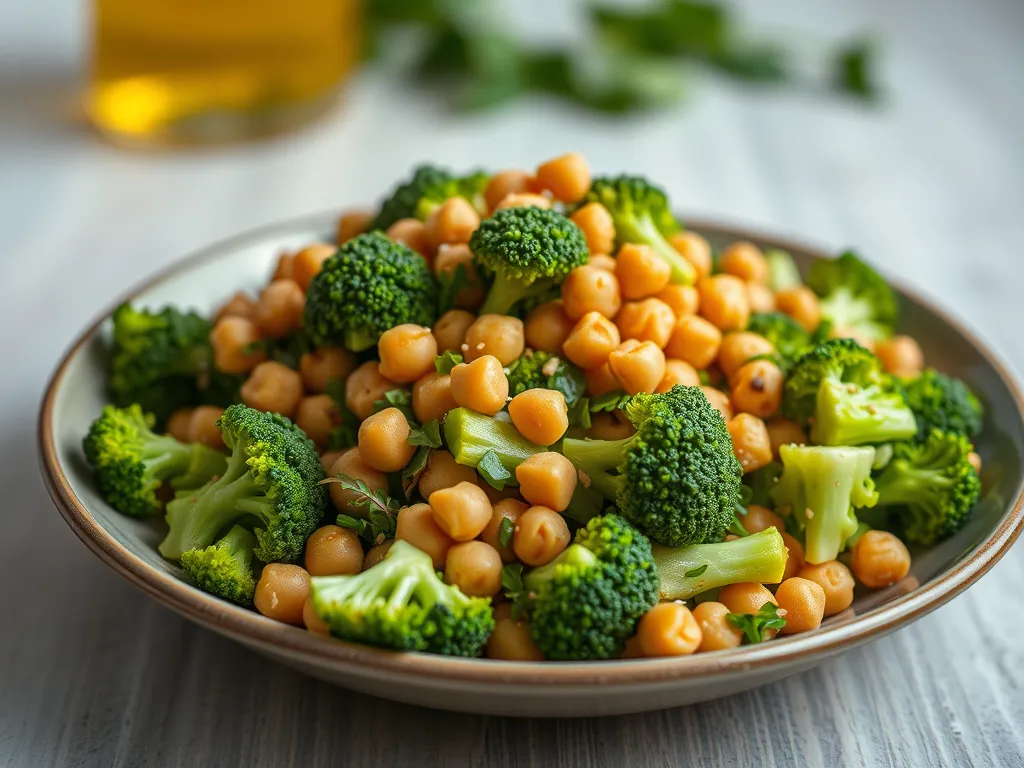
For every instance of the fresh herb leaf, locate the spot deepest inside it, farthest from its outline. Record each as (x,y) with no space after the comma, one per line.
(400,399)
(579,414)
(428,435)
(693,573)
(505,530)
(736,527)
(512,579)
(444,363)
(754,625)
(414,469)
(382,510)
(569,380)
(610,401)
(493,471)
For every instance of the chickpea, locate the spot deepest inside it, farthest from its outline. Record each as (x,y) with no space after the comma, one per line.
(236,347)
(418,526)
(475,568)
(333,551)
(202,426)
(274,388)
(351,465)
(413,234)
(239,305)
(604,426)
(406,352)
(745,261)
(480,385)
(678,373)
(784,432)
(450,329)
(509,492)
(432,397)
(567,177)
(601,380)
(879,559)
(503,184)
(328,458)
(760,297)
(794,556)
(747,597)
(547,327)
(511,640)
(281,592)
(750,442)
(499,335)
(590,289)
(724,302)
(695,249)
(760,518)
(717,632)
(540,415)
(639,366)
(540,536)
(365,386)
(324,365)
(975,460)
(837,581)
(801,304)
(683,300)
(597,226)
(641,271)
(308,261)
(313,622)
(461,511)
(377,553)
(317,416)
(695,341)
(504,509)
(547,480)
(591,341)
(668,629)
(352,223)
(283,270)
(803,601)
(719,401)
(448,259)
(646,320)
(454,221)
(603,261)
(900,355)
(522,200)
(442,471)
(179,425)
(384,441)
(757,388)
(738,347)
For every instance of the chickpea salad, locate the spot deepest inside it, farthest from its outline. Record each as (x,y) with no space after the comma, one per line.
(529,416)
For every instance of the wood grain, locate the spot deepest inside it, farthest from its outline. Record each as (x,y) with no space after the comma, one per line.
(94,674)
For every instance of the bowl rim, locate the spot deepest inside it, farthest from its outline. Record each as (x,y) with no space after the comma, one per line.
(301,645)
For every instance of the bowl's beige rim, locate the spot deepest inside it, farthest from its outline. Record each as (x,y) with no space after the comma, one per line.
(312,649)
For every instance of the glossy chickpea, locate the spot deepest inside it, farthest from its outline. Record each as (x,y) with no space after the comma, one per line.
(695,341)
(461,511)
(511,639)
(647,320)
(540,536)
(454,221)
(760,297)
(475,568)
(235,343)
(641,271)
(377,553)
(567,177)
(308,261)
(639,366)
(274,388)
(678,372)
(239,305)
(604,426)
(683,300)
(365,386)
(279,309)
(590,289)
(738,347)
(724,302)
(417,525)
(283,268)
(523,200)
(879,559)
(448,259)
(413,234)
(540,415)
(717,632)
(794,556)
(597,226)
(669,629)
(719,401)
(499,335)
(757,388)
(591,341)
(333,551)
(324,365)
(750,442)
(759,519)
(313,623)
(547,327)
(480,385)
(900,355)
(784,432)
(548,480)
(450,329)
(505,183)
(406,352)
(837,581)
(695,249)
(179,425)
(501,510)
(281,592)
(745,261)
(317,416)
(442,471)
(384,441)
(202,426)
(801,304)
(803,601)
(352,223)
(351,464)
(432,397)
(747,597)
(603,261)
(601,380)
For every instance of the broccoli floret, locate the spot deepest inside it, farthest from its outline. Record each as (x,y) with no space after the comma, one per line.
(818,491)
(132,463)
(587,601)
(942,402)
(841,386)
(272,481)
(368,286)
(163,361)
(932,484)
(642,215)
(688,571)
(429,187)
(789,338)
(528,251)
(537,371)
(401,603)
(676,478)
(470,436)
(224,569)
(782,270)
(854,297)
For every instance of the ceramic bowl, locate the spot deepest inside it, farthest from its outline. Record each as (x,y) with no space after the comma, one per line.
(76,394)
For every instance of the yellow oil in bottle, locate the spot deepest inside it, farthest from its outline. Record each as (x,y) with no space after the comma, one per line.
(169,71)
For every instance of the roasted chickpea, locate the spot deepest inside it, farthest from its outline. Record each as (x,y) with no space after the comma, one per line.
(590,289)
(418,526)
(442,471)
(450,329)
(601,380)
(784,432)
(384,441)
(406,352)
(313,622)
(333,551)
(794,556)
(365,386)
(760,297)
(591,341)
(511,640)
(879,559)
(499,335)
(757,388)
(717,632)
(283,269)
(432,397)
(239,305)
(503,184)
(540,536)
(695,249)
(548,480)
(683,300)
(567,177)
(377,553)
(750,442)
(503,509)
(745,261)
(641,271)
(597,226)
(803,601)
(448,259)
(274,388)
(202,426)
(760,518)
(462,511)
(522,200)
(837,581)
(452,222)
(724,302)
(900,355)
(480,385)
(324,365)
(738,347)
(179,425)
(351,465)
(281,592)
(801,304)
(602,261)
(695,341)
(540,415)
(413,234)
(236,347)
(352,223)
(475,568)
(547,327)
(668,629)
(639,366)
(604,426)
(327,459)
(308,261)
(678,372)
(719,401)
(647,320)
(317,416)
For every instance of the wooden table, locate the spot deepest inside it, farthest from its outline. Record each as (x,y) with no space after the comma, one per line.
(92,673)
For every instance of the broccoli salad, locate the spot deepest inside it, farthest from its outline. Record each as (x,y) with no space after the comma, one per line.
(530,416)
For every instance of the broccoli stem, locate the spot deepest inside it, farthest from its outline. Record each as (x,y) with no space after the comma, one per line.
(902,483)
(641,229)
(760,557)
(504,294)
(471,435)
(596,459)
(850,415)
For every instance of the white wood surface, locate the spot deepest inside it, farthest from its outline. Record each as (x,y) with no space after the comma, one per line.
(92,673)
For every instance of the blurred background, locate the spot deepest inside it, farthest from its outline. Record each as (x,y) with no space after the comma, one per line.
(135,131)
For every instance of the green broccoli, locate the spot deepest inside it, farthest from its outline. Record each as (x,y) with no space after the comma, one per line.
(820,487)
(782,270)
(224,569)
(132,463)
(537,371)
(586,603)
(789,338)
(688,571)
(471,436)
(401,603)
(273,481)
(676,478)
(429,187)
(368,286)
(854,297)
(942,402)
(932,485)
(642,215)
(841,387)
(528,252)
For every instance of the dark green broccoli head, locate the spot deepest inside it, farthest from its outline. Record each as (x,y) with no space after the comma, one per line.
(132,463)
(854,297)
(224,569)
(401,603)
(273,481)
(942,402)
(527,251)
(641,214)
(542,370)
(932,485)
(789,338)
(677,478)
(429,186)
(587,602)
(368,286)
